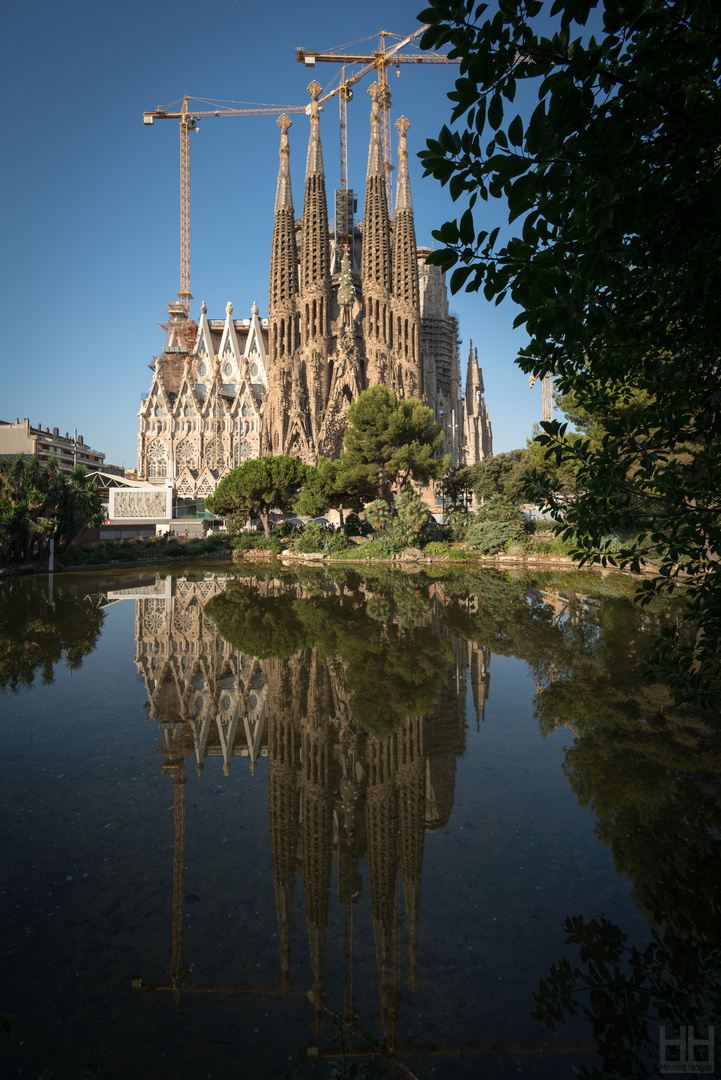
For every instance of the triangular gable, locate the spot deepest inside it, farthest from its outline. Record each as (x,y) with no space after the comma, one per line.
(254,731)
(206,483)
(255,359)
(229,352)
(157,396)
(203,340)
(185,484)
(245,407)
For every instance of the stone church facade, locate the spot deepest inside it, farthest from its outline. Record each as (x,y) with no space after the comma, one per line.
(349,306)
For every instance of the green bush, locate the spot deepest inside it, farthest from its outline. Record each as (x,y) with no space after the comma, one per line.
(381,547)
(248,541)
(548,544)
(500,508)
(437,547)
(312,539)
(490,537)
(456,523)
(335,543)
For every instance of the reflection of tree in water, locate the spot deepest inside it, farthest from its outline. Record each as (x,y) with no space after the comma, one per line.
(393,665)
(652,777)
(628,993)
(36,634)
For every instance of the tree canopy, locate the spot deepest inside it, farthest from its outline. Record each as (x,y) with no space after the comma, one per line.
(328,486)
(39,503)
(389,443)
(258,486)
(612,194)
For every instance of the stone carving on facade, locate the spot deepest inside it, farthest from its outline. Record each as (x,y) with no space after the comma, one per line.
(139,504)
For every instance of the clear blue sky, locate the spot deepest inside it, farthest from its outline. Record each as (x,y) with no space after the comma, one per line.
(90,230)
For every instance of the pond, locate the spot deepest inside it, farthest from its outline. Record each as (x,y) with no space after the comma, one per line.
(264,823)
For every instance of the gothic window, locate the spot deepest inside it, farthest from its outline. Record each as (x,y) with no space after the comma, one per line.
(228,369)
(157,460)
(245,451)
(184,622)
(154,619)
(202,369)
(228,347)
(186,455)
(158,410)
(214,454)
(186,411)
(244,410)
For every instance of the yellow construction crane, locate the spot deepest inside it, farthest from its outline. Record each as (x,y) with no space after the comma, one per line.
(546,394)
(378,61)
(188,122)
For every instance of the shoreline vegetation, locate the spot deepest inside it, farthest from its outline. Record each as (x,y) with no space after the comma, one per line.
(254,548)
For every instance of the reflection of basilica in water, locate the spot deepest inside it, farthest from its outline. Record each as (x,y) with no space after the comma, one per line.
(333,788)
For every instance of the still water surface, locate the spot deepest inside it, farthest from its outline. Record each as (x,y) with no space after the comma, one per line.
(237,805)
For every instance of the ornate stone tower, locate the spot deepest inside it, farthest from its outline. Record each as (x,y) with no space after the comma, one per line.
(477,434)
(376,264)
(406,377)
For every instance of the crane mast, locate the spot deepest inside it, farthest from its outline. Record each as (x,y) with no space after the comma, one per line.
(188,122)
(377,61)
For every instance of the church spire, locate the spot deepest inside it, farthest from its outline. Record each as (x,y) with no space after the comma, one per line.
(403,187)
(283,260)
(284,194)
(314,161)
(477,432)
(406,292)
(405,252)
(376,262)
(315,251)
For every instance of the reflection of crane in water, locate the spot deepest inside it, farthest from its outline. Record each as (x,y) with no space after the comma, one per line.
(178,747)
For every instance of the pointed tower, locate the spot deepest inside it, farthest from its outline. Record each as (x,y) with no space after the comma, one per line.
(283,330)
(376,263)
(406,295)
(283,259)
(315,242)
(477,434)
(312,373)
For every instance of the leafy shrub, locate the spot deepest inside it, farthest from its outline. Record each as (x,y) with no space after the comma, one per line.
(381,547)
(312,539)
(500,508)
(457,522)
(490,537)
(378,513)
(437,547)
(335,543)
(251,541)
(548,544)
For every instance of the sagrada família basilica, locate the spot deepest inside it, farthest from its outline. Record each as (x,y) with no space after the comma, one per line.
(351,304)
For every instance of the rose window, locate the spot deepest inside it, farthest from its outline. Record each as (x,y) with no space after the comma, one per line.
(186,455)
(157,459)
(214,454)
(154,620)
